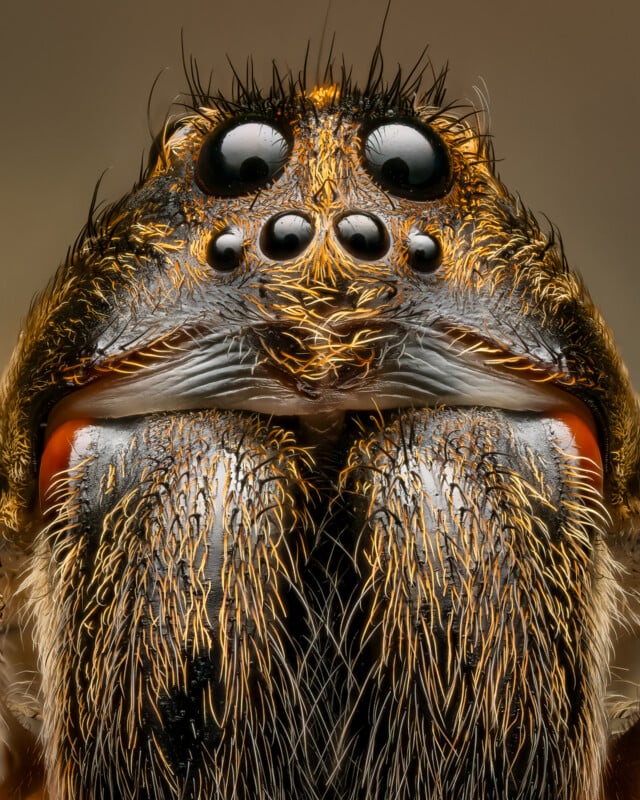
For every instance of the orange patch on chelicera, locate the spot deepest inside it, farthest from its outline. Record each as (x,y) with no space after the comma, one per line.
(59,449)
(582,441)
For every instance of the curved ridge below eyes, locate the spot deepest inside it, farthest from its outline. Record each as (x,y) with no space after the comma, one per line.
(215,371)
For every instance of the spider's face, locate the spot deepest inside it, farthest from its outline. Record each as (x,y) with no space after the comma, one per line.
(327,438)
(315,258)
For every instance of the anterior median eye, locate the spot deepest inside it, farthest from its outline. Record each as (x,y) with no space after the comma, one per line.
(240,157)
(408,159)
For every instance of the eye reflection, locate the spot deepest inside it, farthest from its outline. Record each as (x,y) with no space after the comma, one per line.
(225,250)
(425,254)
(407,159)
(286,236)
(239,158)
(362,235)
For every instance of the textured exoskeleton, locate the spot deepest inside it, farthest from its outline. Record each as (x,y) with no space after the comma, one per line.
(319,477)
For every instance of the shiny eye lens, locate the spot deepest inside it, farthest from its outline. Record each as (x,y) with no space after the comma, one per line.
(362,235)
(424,252)
(407,159)
(224,251)
(239,158)
(286,236)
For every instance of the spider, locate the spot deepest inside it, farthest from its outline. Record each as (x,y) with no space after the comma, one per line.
(319,474)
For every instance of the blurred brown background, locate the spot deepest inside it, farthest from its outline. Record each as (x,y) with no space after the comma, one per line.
(562,78)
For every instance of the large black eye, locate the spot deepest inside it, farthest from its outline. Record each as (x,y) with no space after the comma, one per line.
(407,159)
(240,157)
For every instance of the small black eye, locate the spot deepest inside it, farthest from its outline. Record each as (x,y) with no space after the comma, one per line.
(424,252)
(240,157)
(286,236)
(224,251)
(362,235)
(407,159)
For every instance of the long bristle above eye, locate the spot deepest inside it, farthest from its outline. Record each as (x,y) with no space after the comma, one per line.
(400,91)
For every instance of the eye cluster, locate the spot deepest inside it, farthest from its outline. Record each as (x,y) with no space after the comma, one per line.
(405,157)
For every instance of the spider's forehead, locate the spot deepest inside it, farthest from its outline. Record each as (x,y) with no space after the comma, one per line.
(325,97)
(328,123)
